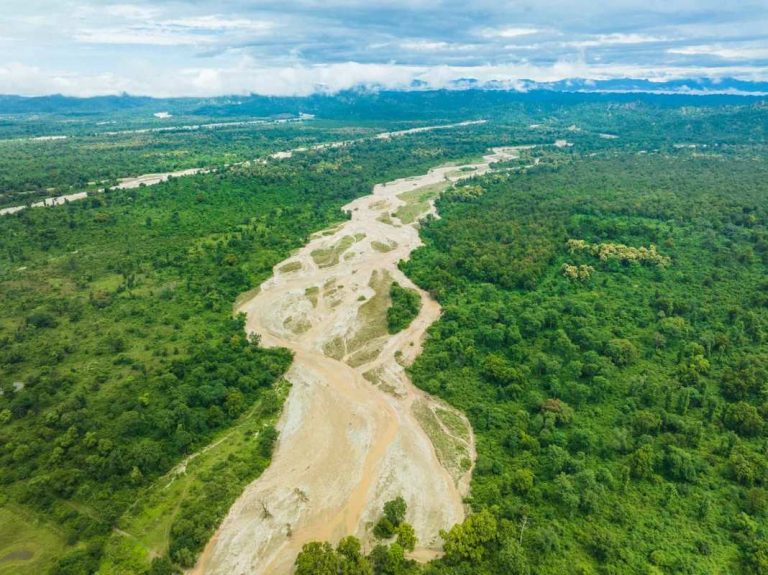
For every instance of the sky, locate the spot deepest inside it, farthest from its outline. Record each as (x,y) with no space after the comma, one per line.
(297,47)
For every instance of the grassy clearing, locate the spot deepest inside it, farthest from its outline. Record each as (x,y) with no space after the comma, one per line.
(451,452)
(144,531)
(454,423)
(327,257)
(372,315)
(380,205)
(27,545)
(246,296)
(335,348)
(289,267)
(364,355)
(417,201)
(311,294)
(385,219)
(297,325)
(375,377)
(383,247)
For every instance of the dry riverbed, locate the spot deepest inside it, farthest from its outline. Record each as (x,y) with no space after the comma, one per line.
(355,432)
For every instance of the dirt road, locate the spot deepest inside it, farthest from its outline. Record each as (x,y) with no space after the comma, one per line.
(355,432)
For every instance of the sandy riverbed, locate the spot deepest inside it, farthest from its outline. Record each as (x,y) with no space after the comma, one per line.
(355,432)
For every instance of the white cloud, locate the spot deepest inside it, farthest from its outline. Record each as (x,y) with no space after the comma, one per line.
(214,22)
(616,39)
(508,32)
(249,76)
(101,46)
(141,36)
(726,52)
(188,31)
(130,11)
(434,46)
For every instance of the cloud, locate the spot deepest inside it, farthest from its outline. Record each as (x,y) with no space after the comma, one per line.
(616,39)
(219,23)
(151,37)
(191,30)
(208,47)
(131,11)
(434,46)
(508,32)
(248,75)
(725,52)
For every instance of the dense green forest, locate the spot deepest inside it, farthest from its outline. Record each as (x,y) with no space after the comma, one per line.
(604,329)
(120,355)
(33,169)
(104,139)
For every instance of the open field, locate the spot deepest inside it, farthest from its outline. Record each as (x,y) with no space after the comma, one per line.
(28,546)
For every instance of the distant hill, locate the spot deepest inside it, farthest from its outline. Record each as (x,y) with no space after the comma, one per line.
(466,95)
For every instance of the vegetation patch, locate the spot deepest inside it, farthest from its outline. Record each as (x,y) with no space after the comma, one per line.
(312,294)
(627,409)
(625,254)
(297,325)
(178,514)
(327,257)
(405,307)
(335,348)
(452,452)
(28,544)
(383,247)
(289,267)
(417,201)
(372,315)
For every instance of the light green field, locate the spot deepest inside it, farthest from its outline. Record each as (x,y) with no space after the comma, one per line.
(289,267)
(451,451)
(383,247)
(27,545)
(327,257)
(417,201)
(143,532)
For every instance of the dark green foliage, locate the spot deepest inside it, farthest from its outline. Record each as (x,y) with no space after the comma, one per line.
(406,304)
(620,423)
(394,515)
(122,339)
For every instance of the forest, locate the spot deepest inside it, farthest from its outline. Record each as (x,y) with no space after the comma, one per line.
(604,328)
(618,392)
(120,355)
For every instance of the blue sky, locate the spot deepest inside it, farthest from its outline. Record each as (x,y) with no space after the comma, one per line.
(206,47)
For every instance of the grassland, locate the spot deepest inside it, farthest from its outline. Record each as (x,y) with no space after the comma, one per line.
(28,545)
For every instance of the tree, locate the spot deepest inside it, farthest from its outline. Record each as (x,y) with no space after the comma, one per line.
(470,540)
(621,351)
(394,514)
(317,558)
(351,559)
(512,559)
(744,419)
(406,536)
(641,462)
(395,509)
